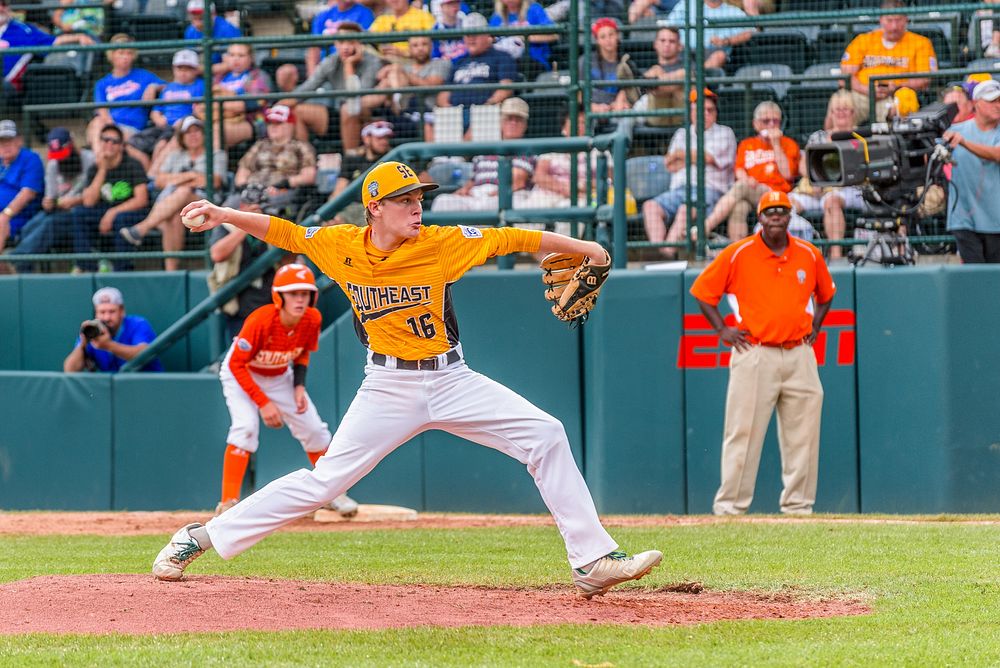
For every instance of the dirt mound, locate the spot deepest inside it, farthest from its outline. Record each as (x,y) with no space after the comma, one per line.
(139,604)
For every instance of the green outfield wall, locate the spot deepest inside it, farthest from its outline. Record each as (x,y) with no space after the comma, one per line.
(908,362)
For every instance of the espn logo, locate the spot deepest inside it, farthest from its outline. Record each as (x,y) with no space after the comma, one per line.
(699,346)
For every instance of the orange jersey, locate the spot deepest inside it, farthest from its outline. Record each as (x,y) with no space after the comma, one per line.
(756,157)
(773,291)
(402,300)
(912,53)
(267,347)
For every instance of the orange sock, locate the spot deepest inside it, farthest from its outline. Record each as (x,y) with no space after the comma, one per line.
(234,467)
(314,456)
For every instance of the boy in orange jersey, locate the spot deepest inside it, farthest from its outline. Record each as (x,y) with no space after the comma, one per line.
(397,273)
(265,372)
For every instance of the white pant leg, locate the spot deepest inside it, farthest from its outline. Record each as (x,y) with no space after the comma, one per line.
(470,405)
(244,416)
(388,410)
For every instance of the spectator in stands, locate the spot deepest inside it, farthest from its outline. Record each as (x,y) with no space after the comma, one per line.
(484,64)
(233,250)
(718,42)
(423,70)
(972,213)
(669,67)
(221,29)
(518,14)
(116,196)
(615,9)
(181,179)
(841,116)
(353,67)
(377,138)
(185,86)
(238,76)
(112,338)
(65,178)
(401,16)
(328,21)
(669,209)
(605,65)
(480,193)
(22,182)
(451,18)
(959,96)
(989,30)
(14,34)
(765,162)
(277,166)
(891,49)
(73,19)
(124,83)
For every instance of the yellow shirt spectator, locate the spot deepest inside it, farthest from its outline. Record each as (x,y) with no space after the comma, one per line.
(912,53)
(414,19)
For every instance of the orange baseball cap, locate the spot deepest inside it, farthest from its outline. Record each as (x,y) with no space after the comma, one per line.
(693,95)
(391,179)
(773,200)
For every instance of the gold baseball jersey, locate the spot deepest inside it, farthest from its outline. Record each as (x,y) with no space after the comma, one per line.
(401,300)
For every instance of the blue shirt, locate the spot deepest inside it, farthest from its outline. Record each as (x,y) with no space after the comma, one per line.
(535,16)
(678,16)
(452,49)
(221,29)
(974,199)
(134,330)
(490,67)
(125,89)
(174,91)
(20,34)
(327,22)
(26,171)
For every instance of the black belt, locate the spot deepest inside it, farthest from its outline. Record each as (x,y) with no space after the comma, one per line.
(426,364)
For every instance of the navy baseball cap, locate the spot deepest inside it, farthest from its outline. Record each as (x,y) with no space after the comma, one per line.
(60,144)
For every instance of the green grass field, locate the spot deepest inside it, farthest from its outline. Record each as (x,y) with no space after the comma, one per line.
(934,588)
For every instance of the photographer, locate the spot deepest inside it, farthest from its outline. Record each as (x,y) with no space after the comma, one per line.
(276,167)
(112,338)
(975,197)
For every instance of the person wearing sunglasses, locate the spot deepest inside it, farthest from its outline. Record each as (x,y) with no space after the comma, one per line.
(767,161)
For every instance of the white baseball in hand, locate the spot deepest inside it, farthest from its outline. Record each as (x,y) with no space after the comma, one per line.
(193,222)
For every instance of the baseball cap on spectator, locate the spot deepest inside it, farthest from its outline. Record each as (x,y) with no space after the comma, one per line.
(603,22)
(906,101)
(514,106)
(196,6)
(8,129)
(986,90)
(378,129)
(108,295)
(60,144)
(189,122)
(187,58)
(279,113)
(774,199)
(474,20)
(693,95)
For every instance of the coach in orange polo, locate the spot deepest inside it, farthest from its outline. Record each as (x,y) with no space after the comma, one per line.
(783,291)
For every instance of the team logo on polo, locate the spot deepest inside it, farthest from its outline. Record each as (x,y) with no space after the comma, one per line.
(310,231)
(471,232)
(373,189)
(374,302)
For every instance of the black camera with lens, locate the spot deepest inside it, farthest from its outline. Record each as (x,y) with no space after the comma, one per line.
(91,329)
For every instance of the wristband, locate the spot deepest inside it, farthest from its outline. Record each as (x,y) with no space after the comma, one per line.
(299,374)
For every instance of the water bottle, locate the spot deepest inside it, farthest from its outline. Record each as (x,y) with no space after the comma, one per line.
(456,176)
(103,266)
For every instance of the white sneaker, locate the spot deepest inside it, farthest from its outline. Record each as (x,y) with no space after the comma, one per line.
(178,553)
(344,505)
(612,570)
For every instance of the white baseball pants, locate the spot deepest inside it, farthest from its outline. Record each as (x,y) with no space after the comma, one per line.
(391,407)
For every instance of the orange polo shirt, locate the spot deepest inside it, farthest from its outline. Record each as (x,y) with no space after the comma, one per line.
(774,293)
(756,157)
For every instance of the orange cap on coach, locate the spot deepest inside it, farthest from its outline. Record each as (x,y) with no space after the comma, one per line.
(293,277)
(773,200)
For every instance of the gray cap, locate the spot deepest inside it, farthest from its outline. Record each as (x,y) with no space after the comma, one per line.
(474,20)
(108,295)
(8,129)
(988,90)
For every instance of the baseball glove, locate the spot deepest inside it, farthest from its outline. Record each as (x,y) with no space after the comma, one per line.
(573,284)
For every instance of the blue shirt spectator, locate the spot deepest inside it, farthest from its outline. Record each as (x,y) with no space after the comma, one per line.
(491,66)
(327,21)
(128,87)
(532,15)
(450,15)
(21,170)
(134,329)
(174,91)
(17,34)
(221,28)
(109,341)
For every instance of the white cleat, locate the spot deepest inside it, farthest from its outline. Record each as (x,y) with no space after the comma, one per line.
(178,553)
(612,570)
(344,505)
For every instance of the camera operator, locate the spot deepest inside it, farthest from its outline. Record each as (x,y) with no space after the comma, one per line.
(975,177)
(112,338)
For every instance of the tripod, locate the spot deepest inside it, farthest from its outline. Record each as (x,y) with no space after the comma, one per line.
(886,244)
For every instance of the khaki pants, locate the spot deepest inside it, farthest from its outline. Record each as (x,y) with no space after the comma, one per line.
(747,194)
(760,380)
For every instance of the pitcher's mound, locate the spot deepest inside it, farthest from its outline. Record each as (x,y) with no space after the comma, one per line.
(368,512)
